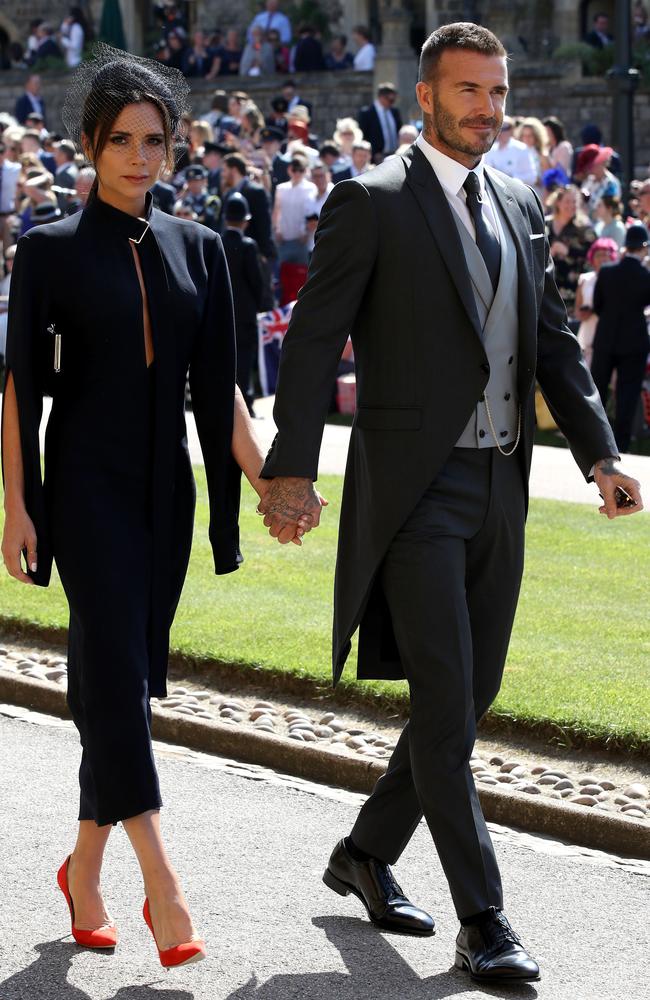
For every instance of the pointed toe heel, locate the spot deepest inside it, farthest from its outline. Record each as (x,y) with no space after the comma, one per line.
(180,954)
(103,938)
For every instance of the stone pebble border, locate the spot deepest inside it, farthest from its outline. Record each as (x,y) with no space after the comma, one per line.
(588,809)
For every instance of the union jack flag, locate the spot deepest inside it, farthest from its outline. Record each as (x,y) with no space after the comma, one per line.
(271,326)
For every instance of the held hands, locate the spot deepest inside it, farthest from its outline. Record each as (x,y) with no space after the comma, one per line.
(291,507)
(19,534)
(620,493)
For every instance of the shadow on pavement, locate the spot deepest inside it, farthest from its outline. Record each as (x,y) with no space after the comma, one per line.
(47,978)
(375,970)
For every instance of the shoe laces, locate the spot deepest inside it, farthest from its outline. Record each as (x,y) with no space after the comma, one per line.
(387,881)
(498,932)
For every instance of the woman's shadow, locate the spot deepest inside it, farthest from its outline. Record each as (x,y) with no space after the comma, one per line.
(47,977)
(375,970)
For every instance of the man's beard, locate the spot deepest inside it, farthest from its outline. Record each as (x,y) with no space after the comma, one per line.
(448,130)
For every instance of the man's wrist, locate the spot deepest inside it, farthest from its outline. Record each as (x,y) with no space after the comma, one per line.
(608,464)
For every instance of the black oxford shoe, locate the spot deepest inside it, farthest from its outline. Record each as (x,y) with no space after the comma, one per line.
(372,881)
(491,952)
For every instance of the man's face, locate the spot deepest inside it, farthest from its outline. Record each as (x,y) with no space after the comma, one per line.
(320,178)
(212,161)
(361,158)
(388,100)
(602,24)
(196,185)
(464,103)
(288,92)
(272,5)
(33,84)
(271,147)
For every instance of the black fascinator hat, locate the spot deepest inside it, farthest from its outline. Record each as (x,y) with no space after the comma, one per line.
(102,86)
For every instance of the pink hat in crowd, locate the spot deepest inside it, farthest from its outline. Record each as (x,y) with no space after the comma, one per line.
(605,245)
(591,155)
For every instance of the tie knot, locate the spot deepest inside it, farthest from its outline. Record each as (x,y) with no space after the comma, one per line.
(471,184)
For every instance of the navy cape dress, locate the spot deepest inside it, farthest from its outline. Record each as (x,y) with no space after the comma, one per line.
(116,506)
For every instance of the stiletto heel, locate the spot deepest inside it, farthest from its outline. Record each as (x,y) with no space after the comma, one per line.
(181,954)
(104,937)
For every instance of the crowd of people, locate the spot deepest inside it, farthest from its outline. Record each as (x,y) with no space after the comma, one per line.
(271,44)
(282,173)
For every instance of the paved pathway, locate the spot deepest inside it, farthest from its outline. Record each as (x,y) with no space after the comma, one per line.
(250,846)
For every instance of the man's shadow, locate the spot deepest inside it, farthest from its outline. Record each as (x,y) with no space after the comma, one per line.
(47,977)
(375,971)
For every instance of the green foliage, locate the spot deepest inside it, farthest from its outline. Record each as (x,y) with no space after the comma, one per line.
(597,62)
(580,652)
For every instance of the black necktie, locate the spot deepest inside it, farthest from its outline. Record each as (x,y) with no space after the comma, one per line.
(486,240)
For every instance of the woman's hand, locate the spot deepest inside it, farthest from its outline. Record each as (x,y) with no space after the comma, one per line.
(19,534)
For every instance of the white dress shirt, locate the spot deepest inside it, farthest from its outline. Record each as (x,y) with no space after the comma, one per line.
(452,175)
(293,206)
(272,20)
(514,159)
(364,60)
(8,184)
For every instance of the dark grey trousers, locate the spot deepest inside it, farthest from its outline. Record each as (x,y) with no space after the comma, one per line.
(451,579)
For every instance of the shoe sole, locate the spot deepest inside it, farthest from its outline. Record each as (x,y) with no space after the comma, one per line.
(461,962)
(344,889)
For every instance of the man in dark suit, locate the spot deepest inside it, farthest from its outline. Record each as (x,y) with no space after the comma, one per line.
(66,171)
(599,37)
(247,288)
(234,177)
(381,121)
(31,100)
(440,271)
(621,343)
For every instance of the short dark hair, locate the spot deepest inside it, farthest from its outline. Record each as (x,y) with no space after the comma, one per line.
(601,13)
(329,149)
(237,161)
(460,35)
(363,30)
(298,163)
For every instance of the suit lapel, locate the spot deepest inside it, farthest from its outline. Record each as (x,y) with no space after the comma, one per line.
(516,223)
(431,198)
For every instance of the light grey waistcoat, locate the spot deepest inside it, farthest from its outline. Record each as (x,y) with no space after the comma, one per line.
(499,318)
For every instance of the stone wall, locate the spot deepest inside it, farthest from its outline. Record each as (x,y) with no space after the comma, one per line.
(332,95)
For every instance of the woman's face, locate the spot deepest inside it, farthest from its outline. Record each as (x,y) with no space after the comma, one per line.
(528,136)
(568,203)
(134,154)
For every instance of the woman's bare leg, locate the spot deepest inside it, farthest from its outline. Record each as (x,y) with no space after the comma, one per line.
(169,911)
(84,873)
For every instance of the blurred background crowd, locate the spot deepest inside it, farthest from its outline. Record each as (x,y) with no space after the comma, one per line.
(260,175)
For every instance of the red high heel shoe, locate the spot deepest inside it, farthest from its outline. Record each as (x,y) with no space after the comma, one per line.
(104,937)
(181,954)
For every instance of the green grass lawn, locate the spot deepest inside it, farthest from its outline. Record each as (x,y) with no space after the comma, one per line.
(580,655)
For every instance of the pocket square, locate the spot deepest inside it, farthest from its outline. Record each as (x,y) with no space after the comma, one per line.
(537,236)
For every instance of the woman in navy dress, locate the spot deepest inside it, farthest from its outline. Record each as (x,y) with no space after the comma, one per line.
(109,310)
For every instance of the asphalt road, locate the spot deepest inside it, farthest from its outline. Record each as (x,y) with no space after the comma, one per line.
(250,846)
